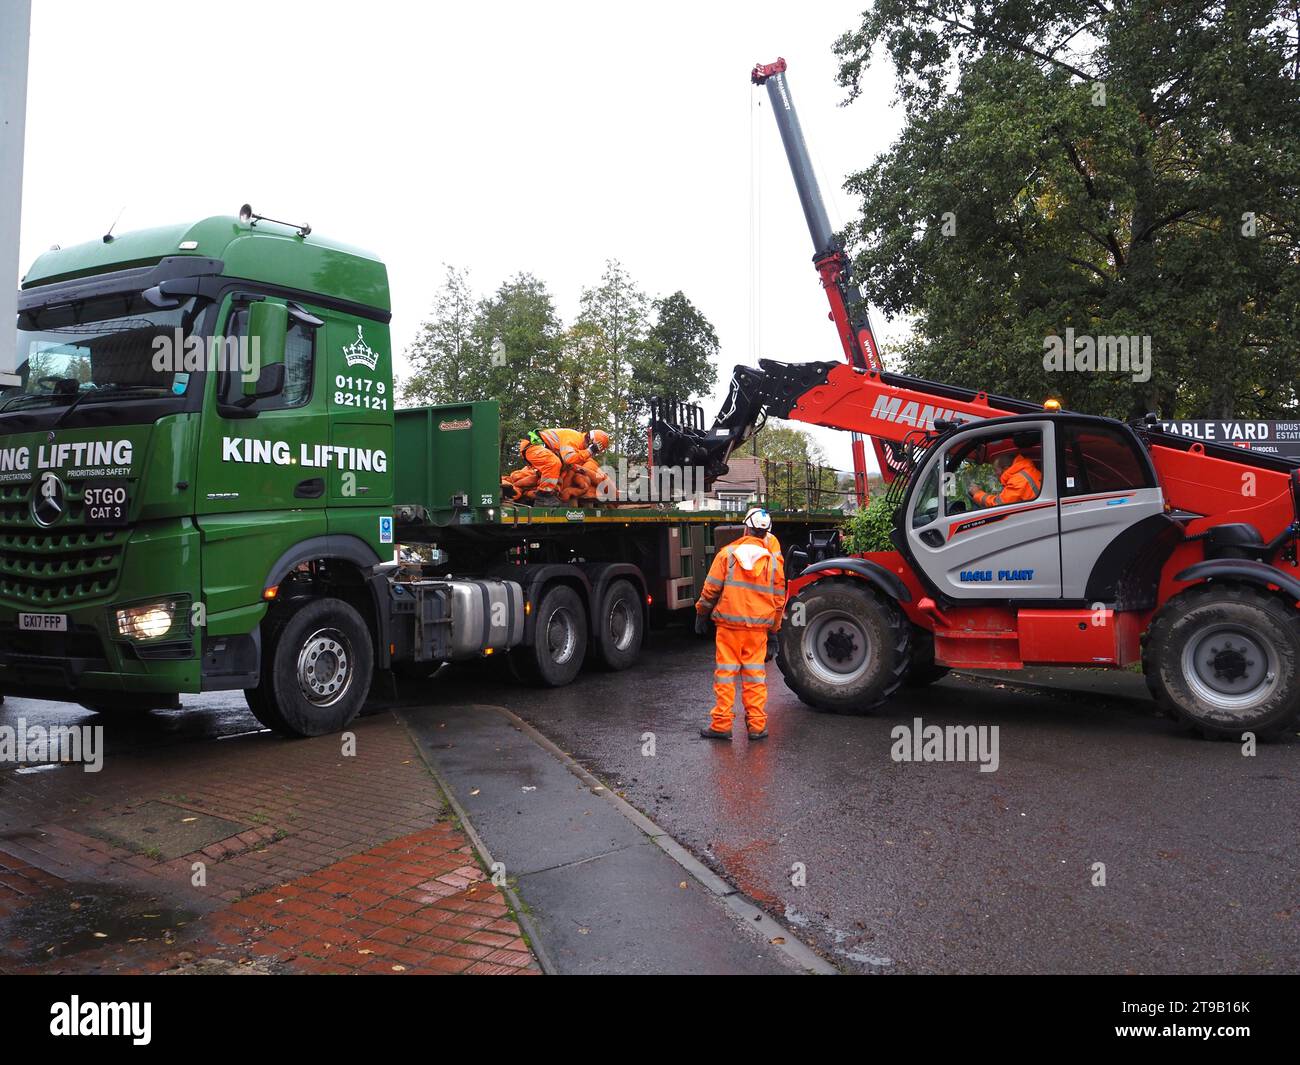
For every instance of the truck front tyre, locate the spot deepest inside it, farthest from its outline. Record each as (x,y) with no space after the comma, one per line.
(317,663)
(554,657)
(852,652)
(619,628)
(1224,659)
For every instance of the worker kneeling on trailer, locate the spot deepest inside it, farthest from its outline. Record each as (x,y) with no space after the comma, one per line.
(550,451)
(1021,481)
(744,593)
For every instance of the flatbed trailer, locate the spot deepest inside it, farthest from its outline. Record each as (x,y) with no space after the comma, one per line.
(629,567)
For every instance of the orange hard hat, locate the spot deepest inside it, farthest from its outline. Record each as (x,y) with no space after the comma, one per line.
(597,440)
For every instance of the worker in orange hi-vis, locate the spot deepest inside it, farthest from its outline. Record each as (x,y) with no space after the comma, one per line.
(1021,481)
(744,594)
(548,451)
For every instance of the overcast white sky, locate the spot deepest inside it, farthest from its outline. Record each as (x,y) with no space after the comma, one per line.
(502,137)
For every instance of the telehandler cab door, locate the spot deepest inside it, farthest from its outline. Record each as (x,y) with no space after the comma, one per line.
(1111,505)
(983,521)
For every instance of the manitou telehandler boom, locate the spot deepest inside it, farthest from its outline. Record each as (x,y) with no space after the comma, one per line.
(1126,544)
(849,309)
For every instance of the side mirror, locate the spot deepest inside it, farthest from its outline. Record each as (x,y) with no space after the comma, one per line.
(268,326)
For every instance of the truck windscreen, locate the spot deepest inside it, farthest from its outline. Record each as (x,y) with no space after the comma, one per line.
(95,350)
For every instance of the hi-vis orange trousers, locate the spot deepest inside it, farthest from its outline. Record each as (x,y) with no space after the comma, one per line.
(547,464)
(740,653)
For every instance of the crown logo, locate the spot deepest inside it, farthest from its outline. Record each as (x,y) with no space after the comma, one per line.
(359,353)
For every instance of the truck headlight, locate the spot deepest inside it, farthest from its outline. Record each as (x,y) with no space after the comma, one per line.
(147,621)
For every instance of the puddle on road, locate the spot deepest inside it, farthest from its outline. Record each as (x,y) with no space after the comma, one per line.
(838,937)
(85,916)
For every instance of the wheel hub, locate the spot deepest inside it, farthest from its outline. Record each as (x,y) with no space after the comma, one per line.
(1229,663)
(1230,668)
(839,645)
(324,667)
(836,647)
(561,637)
(621,626)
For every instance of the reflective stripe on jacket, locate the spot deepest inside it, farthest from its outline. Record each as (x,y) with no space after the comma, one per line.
(745,588)
(1021,481)
(569,444)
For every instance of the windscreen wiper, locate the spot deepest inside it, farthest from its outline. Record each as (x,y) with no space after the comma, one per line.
(111,393)
(71,407)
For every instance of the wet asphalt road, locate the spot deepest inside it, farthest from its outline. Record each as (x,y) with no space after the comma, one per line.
(921,867)
(937,867)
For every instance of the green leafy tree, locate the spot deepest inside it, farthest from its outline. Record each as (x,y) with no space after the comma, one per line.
(598,373)
(615,315)
(446,364)
(796,471)
(1121,169)
(585,395)
(676,362)
(868,529)
(521,317)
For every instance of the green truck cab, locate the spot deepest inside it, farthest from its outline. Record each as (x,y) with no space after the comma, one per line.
(203,481)
(203,409)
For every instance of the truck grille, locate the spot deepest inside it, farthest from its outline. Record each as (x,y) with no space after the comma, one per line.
(66,564)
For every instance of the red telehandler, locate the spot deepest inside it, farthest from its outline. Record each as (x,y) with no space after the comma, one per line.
(1126,544)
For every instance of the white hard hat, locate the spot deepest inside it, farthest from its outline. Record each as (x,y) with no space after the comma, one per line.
(758,519)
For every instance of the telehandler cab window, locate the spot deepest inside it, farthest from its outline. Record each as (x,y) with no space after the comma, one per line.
(1100,459)
(299,364)
(994,471)
(927,500)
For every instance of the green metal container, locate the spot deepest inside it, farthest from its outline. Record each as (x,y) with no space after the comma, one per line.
(447,461)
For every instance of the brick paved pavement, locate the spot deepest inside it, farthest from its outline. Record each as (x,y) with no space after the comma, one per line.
(345,862)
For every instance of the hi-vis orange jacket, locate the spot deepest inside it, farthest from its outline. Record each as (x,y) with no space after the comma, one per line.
(568,444)
(745,588)
(1021,481)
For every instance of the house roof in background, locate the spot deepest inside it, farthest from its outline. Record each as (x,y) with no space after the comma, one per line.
(745,475)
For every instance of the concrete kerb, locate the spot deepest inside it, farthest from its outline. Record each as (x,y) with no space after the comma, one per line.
(485,857)
(740,907)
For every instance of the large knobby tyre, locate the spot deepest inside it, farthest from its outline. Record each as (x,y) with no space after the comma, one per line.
(317,661)
(852,651)
(559,642)
(619,627)
(1223,659)
(923,670)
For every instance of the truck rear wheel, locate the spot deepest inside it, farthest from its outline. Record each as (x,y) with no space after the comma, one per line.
(852,652)
(316,670)
(1223,659)
(619,628)
(554,657)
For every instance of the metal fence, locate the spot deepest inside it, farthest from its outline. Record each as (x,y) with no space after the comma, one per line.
(807,486)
